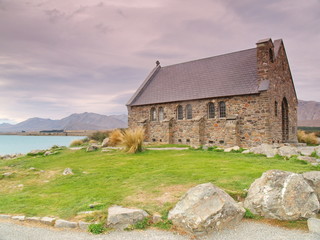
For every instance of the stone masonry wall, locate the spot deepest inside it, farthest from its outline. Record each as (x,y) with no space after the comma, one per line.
(281,86)
(244,125)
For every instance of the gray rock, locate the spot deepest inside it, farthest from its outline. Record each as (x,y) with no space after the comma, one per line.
(20,218)
(32,169)
(105,142)
(246,151)
(5,216)
(35,152)
(308,159)
(235,148)
(313,178)
(288,151)
(306,151)
(156,218)
(60,223)
(33,219)
(282,195)
(314,225)
(265,149)
(48,220)
(92,148)
(317,150)
(7,174)
(47,153)
(86,212)
(67,171)
(84,225)
(121,218)
(205,208)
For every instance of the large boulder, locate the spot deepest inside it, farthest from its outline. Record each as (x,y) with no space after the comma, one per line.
(288,151)
(205,208)
(121,218)
(265,149)
(282,195)
(105,142)
(313,178)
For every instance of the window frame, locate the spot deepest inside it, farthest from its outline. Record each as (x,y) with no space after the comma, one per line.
(160,114)
(179,112)
(222,109)
(212,113)
(188,112)
(153,114)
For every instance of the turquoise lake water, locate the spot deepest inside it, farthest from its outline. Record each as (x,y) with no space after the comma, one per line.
(11,144)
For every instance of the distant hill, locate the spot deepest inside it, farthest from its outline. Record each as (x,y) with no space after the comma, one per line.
(309,113)
(82,121)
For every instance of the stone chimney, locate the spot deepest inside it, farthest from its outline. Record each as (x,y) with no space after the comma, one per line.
(265,58)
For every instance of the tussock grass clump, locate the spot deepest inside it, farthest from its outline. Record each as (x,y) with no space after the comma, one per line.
(309,138)
(132,139)
(115,138)
(76,143)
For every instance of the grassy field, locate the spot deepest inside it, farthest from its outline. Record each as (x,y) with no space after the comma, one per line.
(152,180)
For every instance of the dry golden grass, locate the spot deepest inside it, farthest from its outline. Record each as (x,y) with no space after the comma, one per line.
(75,143)
(309,138)
(115,138)
(132,139)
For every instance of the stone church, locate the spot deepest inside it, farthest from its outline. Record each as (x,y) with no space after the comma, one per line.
(243,98)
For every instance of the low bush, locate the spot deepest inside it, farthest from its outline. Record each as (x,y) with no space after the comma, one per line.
(96,228)
(99,136)
(308,138)
(132,139)
(76,143)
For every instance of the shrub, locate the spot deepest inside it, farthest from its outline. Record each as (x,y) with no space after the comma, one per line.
(132,139)
(99,136)
(309,138)
(96,228)
(115,138)
(75,143)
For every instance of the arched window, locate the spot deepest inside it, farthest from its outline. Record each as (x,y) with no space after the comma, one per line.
(222,109)
(160,111)
(276,108)
(153,114)
(179,112)
(189,111)
(211,111)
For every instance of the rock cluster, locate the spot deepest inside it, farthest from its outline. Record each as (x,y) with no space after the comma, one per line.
(283,195)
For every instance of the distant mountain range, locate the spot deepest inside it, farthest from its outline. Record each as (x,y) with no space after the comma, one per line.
(309,113)
(82,121)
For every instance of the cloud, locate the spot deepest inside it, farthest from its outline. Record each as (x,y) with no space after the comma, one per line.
(59,57)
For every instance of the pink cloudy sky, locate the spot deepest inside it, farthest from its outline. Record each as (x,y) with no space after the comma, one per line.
(59,57)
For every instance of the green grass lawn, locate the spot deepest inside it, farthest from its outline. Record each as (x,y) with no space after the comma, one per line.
(152,180)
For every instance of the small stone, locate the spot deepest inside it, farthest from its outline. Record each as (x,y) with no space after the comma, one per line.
(156,218)
(67,171)
(60,223)
(93,205)
(20,186)
(48,221)
(92,148)
(33,219)
(120,217)
(314,225)
(4,216)
(7,174)
(246,151)
(20,218)
(32,169)
(84,225)
(86,212)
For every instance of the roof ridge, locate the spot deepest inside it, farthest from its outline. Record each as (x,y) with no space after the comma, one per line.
(209,57)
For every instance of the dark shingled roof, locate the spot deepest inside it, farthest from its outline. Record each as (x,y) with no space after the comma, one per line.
(225,75)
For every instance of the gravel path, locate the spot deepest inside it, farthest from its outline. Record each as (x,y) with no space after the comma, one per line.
(245,231)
